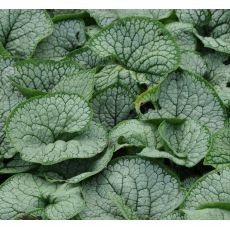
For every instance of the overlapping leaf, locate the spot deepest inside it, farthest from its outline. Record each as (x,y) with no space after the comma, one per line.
(183,95)
(140,44)
(112,105)
(9,97)
(193,62)
(86,58)
(183,32)
(219,31)
(218,73)
(15,165)
(67,36)
(207,214)
(131,188)
(76,170)
(220,151)
(106,17)
(188,142)
(34,77)
(195,17)
(81,83)
(54,128)
(116,74)
(134,133)
(24,193)
(210,191)
(70,81)
(21,30)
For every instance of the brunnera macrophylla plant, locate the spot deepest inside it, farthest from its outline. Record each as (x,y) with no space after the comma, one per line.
(114,114)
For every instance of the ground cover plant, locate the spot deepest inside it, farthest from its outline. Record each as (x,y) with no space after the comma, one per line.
(114,114)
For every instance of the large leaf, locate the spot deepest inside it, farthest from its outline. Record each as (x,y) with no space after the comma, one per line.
(185,143)
(54,128)
(22,30)
(140,44)
(131,188)
(24,193)
(220,151)
(210,191)
(67,36)
(183,95)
